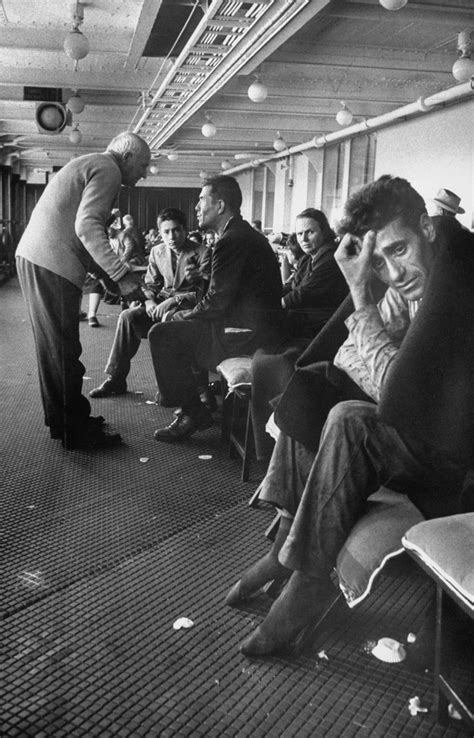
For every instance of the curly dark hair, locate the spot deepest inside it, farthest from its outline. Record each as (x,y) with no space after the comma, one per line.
(378,203)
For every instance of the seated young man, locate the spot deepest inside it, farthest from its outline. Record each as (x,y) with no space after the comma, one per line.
(176,278)
(387,232)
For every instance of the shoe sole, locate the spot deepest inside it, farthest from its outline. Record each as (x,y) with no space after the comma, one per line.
(175,439)
(95,394)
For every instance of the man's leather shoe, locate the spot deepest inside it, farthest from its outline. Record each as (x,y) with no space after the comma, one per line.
(184,425)
(108,388)
(93,422)
(92,439)
(96,420)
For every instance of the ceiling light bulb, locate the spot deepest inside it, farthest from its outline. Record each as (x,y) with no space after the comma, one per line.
(279,144)
(173,156)
(209,130)
(75,136)
(257,91)
(76,104)
(226,164)
(203,174)
(393,4)
(76,45)
(153,169)
(463,68)
(344,115)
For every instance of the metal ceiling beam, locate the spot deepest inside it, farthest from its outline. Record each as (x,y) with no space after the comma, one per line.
(268,20)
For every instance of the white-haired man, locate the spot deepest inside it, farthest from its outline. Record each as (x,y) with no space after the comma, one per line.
(66,238)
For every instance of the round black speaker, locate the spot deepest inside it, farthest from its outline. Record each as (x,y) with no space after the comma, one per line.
(51,117)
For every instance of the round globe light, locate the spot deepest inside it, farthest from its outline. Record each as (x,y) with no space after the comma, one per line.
(76,104)
(76,45)
(225,164)
(257,91)
(172,157)
(203,174)
(209,130)
(153,169)
(393,4)
(463,69)
(279,144)
(344,117)
(75,136)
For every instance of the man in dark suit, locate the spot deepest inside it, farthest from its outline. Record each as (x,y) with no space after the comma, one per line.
(177,276)
(244,294)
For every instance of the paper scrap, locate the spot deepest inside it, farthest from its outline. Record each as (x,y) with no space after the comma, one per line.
(144,459)
(453,713)
(138,392)
(150,402)
(205,457)
(323,655)
(414,706)
(182,623)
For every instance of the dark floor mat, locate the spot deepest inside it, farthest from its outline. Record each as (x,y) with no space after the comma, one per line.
(102,552)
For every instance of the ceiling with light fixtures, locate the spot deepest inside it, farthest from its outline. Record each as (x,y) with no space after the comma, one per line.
(213,83)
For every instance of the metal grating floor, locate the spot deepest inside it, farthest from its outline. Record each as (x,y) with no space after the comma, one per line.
(102,552)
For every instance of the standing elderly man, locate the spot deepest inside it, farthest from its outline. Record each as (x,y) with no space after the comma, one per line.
(66,238)
(244,293)
(419,438)
(176,278)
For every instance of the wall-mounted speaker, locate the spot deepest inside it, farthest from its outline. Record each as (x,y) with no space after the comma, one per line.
(51,117)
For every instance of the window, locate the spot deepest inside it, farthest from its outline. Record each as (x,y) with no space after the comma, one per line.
(333,195)
(362,161)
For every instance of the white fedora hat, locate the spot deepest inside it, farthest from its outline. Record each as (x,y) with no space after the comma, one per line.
(448,200)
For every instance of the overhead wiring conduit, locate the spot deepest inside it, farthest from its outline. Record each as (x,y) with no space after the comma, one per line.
(421,106)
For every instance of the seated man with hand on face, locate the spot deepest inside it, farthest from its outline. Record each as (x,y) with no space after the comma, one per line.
(418,440)
(176,278)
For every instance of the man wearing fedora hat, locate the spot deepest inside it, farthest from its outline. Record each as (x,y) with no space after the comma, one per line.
(447,203)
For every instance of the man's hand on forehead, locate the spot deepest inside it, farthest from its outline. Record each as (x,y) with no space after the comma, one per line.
(354,258)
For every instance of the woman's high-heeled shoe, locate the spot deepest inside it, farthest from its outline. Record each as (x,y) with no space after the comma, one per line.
(266,569)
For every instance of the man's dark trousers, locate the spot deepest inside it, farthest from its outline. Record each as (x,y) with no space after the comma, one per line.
(177,350)
(53,306)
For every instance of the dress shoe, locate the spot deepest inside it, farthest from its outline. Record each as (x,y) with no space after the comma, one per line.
(92,422)
(96,421)
(82,315)
(184,425)
(266,569)
(93,322)
(109,387)
(299,605)
(92,440)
